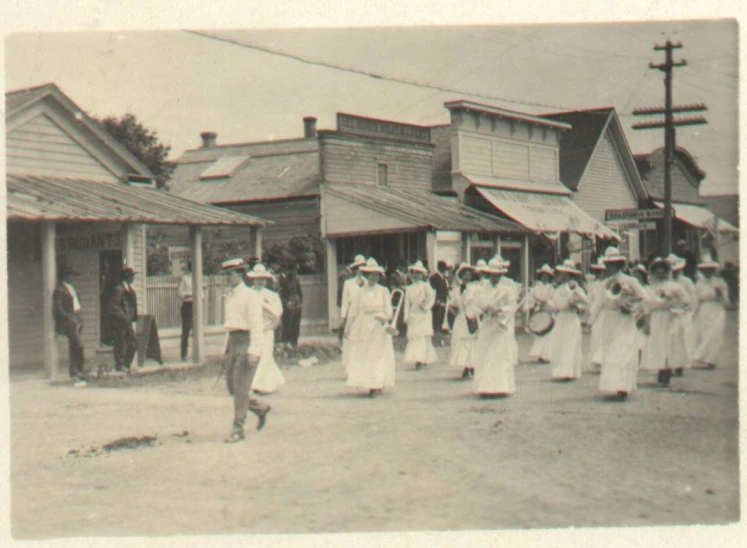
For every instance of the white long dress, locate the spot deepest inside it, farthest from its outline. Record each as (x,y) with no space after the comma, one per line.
(462,341)
(419,300)
(619,339)
(496,349)
(540,295)
(371,351)
(666,344)
(566,351)
(349,289)
(268,376)
(688,319)
(597,315)
(710,320)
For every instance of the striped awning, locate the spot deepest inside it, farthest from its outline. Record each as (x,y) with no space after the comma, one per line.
(700,217)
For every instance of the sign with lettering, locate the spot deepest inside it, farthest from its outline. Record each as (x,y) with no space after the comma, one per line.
(379,128)
(83,242)
(632,214)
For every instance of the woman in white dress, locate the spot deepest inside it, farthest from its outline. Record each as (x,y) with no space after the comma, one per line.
(622,302)
(688,322)
(643,323)
(568,300)
(462,301)
(666,345)
(419,300)
(597,314)
(268,376)
(710,317)
(349,287)
(371,360)
(538,299)
(496,347)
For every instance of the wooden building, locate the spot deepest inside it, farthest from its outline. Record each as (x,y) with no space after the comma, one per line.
(76,197)
(364,187)
(508,164)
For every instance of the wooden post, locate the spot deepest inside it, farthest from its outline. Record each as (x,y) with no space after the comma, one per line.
(467,251)
(198,306)
(430,249)
(525,263)
(49,280)
(497,245)
(258,242)
(333,316)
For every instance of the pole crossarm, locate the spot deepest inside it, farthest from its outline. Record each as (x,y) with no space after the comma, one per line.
(659,110)
(675,123)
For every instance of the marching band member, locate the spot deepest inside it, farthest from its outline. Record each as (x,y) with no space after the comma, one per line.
(597,314)
(496,348)
(419,300)
(710,315)
(371,351)
(538,299)
(621,300)
(349,288)
(568,300)
(691,337)
(641,274)
(665,347)
(268,376)
(464,335)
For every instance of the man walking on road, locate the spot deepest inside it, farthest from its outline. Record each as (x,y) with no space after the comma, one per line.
(244,323)
(68,319)
(122,312)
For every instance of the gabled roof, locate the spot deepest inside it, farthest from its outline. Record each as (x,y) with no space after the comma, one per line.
(685,181)
(19,100)
(56,199)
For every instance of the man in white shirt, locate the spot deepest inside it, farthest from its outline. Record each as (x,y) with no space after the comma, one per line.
(68,319)
(244,324)
(185,294)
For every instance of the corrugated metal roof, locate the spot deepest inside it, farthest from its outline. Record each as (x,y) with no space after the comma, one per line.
(259,178)
(422,209)
(57,199)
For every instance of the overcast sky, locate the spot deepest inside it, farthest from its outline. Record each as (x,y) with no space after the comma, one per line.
(180,84)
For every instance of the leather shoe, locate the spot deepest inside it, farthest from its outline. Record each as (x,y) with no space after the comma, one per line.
(235,437)
(263,418)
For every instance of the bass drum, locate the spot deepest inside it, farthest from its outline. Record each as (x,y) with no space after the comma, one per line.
(540,323)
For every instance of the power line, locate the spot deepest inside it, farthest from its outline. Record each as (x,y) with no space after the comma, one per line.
(372,74)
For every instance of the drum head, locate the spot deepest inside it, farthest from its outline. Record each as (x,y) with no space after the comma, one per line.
(540,323)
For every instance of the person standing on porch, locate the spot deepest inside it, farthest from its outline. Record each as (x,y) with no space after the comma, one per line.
(292,298)
(122,312)
(538,299)
(268,376)
(245,327)
(419,300)
(568,301)
(623,300)
(440,284)
(68,321)
(371,350)
(710,315)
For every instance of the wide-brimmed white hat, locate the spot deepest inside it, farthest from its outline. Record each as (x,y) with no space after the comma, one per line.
(371,267)
(707,263)
(359,260)
(259,271)
(546,269)
(505,263)
(233,264)
(612,255)
(418,267)
(464,266)
(599,265)
(568,266)
(480,265)
(495,266)
(660,262)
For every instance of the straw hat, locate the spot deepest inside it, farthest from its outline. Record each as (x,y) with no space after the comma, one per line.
(233,264)
(568,266)
(495,266)
(546,270)
(371,266)
(707,263)
(480,265)
(418,267)
(359,260)
(660,262)
(259,271)
(502,261)
(463,267)
(612,255)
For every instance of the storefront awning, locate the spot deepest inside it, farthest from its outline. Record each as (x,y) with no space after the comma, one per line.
(699,217)
(354,209)
(547,214)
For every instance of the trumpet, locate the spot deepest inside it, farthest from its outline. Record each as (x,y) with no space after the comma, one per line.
(621,295)
(391,327)
(506,316)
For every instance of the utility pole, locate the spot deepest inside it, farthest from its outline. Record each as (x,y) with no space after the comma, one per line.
(669,125)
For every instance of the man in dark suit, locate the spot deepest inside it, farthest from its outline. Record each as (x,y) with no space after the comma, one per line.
(292,298)
(122,312)
(68,320)
(440,284)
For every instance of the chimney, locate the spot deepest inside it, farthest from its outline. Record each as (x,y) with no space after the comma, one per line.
(208,139)
(309,127)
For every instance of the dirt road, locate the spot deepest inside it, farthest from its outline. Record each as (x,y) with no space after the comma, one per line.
(427,455)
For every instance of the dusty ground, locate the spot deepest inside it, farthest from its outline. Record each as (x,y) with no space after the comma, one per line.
(425,456)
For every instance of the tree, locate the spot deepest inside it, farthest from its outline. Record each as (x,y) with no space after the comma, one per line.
(143,143)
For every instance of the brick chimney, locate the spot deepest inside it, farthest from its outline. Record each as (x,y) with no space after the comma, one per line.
(208,139)
(309,127)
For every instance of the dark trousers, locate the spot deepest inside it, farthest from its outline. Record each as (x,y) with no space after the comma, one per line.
(186,327)
(75,348)
(239,377)
(439,310)
(125,344)
(291,325)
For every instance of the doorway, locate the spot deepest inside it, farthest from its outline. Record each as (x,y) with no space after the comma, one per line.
(110,273)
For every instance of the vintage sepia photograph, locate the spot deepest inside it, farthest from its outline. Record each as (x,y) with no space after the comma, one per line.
(381,279)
